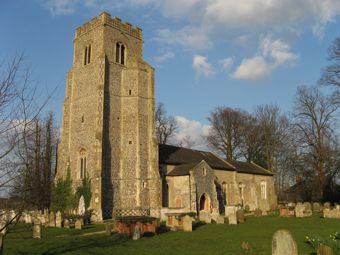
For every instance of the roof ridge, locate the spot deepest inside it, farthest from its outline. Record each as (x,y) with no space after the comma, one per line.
(252,162)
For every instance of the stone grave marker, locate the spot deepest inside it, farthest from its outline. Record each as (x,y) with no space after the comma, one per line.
(220,220)
(316,207)
(66,223)
(52,219)
(232,219)
(58,219)
(327,205)
(77,224)
(81,206)
(108,228)
(37,229)
(136,233)
(240,216)
(205,217)
(187,223)
(283,243)
(2,226)
(324,250)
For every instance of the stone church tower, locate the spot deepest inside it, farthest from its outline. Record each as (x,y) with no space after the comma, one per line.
(108,130)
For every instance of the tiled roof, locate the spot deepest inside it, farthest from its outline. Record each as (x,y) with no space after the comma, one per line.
(249,168)
(181,170)
(173,155)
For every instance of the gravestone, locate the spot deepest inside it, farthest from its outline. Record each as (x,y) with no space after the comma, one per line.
(108,228)
(283,243)
(77,224)
(307,205)
(2,227)
(81,206)
(327,205)
(316,207)
(58,219)
(232,219)
(205,217)
(220,220)
(187,223)
(37,229)
(230,210)
(240,216)
(324,250)
(136,233)
(66,223)
(52,219)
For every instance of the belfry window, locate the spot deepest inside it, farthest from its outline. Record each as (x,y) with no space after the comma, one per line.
(87,55)
(82,164)
(120,53)
(263,190)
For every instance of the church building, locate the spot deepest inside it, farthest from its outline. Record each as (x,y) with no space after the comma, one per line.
(108,134)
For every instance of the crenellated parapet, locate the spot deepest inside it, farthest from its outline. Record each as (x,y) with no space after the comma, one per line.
(105,19)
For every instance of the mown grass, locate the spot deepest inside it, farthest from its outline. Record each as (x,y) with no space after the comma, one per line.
(208,239)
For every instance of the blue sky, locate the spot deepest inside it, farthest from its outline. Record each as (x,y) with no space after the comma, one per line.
(206,53)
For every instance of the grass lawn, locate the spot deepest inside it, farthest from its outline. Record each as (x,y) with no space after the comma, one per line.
(208,239)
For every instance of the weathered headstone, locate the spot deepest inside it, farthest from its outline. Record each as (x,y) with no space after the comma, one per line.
(205,216)
(307,205)
(37,229)
(136,233)
(283,243)
(327,205)
(232,218)
(316,207)
(240,216)
(108,228)
(58,219)
(301,211)
(52,219)
(81,206)
(187,223)
(229,210)
(220,220)
(66,223)
(77,224)
(324,250)
(2,227)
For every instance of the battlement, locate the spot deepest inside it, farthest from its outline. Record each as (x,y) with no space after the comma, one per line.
(105,19)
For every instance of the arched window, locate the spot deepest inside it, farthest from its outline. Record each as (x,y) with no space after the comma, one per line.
(120,53)
(263,190)
(82,164)
(204,171)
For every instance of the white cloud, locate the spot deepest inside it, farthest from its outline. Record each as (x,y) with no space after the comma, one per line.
(164,57)
(271,55)
(192,129)
(60,7)
(201,66)
(188,36)
(226,63)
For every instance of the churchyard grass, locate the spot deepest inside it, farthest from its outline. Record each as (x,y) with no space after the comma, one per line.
(207,239)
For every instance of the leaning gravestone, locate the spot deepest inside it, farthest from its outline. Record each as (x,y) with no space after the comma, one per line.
(232,218)
(187,223)
(136,233)
(58,219)
(324,250)
(283,243)
(240,216)
(37,229)
(2,227)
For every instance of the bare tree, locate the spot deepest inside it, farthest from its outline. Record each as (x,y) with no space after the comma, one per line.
(166,126)
(273,126)
(18,112)
(227,131)
(314,122)
(331,73)
(187,142)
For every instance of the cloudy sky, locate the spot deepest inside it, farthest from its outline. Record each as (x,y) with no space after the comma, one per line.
(206,53)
